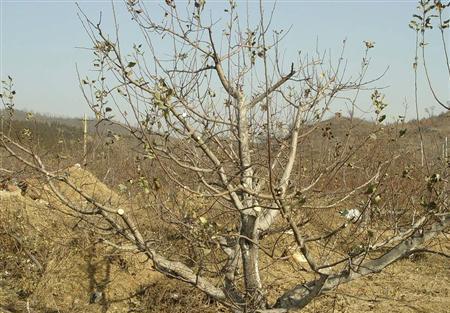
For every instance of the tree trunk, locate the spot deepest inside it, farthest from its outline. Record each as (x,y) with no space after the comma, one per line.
(249,247)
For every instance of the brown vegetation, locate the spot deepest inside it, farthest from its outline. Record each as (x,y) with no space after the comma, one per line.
(74,262)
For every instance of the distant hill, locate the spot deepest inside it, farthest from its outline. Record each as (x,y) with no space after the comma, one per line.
(440,123)
(46,132)
(74,123)
(434,129)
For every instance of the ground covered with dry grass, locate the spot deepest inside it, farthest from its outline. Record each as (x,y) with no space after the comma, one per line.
(53,261)
(49,264)
(417,285)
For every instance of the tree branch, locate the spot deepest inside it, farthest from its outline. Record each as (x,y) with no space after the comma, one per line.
(299,296)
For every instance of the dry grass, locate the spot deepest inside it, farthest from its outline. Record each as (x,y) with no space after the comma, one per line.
(76,264)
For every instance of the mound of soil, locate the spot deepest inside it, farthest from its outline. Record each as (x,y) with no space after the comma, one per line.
(56,264)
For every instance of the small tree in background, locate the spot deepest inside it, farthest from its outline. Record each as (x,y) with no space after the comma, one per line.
(228,123)
(431,14)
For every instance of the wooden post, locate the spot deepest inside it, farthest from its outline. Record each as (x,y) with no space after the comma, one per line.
(443,153)
(84,140)
(422,153)
(446,150)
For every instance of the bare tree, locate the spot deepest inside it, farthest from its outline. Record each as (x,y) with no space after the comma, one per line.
(227,121)
(431,13)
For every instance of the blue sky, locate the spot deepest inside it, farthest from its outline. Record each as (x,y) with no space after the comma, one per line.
(40,43)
